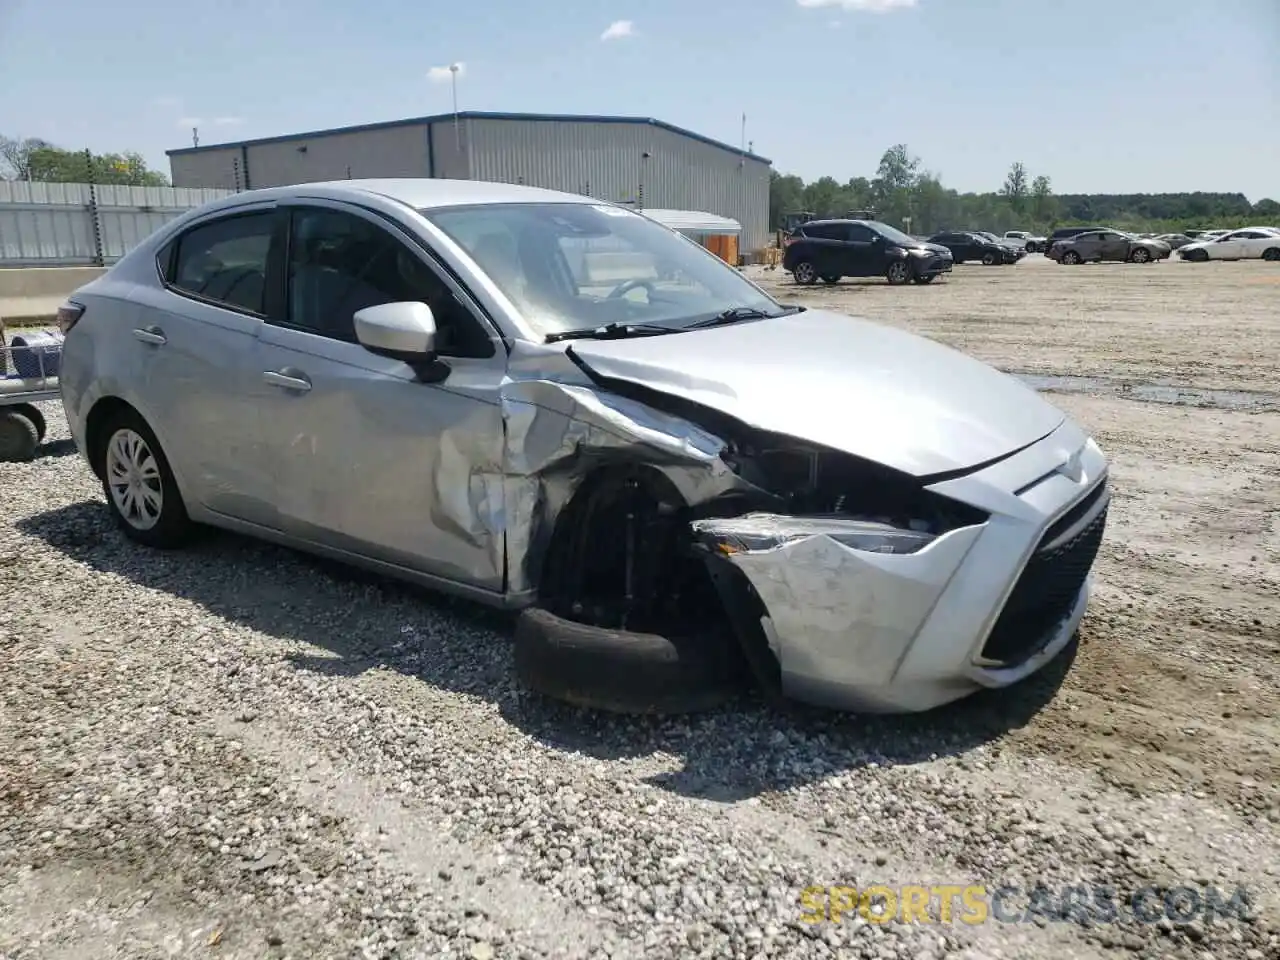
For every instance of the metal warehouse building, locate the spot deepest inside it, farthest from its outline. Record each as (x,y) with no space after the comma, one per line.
(633,160)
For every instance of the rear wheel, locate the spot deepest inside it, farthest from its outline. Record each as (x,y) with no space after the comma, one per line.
(899,272)
(1140,255)
(805,273)
(1271,253)
(1071,258)
(141,492)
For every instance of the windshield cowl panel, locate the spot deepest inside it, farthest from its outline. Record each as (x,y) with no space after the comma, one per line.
(586,266)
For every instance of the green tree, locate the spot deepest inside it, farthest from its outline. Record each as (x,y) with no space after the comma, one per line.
(901,188)
(38,160)
(1015,186)
(1041,198)
(896,179)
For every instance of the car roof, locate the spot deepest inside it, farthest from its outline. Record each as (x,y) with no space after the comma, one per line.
(417,192)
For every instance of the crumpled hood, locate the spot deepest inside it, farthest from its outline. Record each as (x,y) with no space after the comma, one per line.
(874,391)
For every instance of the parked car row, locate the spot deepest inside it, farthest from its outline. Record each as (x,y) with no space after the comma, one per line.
(463,385)
(1073,245)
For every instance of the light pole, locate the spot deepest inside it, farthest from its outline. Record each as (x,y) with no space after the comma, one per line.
(457,133)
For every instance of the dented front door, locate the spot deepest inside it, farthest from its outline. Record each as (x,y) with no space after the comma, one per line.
(370,461)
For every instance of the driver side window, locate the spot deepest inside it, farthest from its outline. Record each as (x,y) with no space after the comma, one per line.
(339,263)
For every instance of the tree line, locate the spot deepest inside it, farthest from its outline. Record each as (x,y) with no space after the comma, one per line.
(40,161)
(907,195)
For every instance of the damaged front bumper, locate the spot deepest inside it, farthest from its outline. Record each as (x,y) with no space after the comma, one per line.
(863,617)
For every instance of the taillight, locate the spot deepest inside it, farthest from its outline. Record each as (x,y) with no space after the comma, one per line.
(68,314)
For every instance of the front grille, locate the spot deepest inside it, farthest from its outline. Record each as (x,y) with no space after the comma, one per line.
(1050,582)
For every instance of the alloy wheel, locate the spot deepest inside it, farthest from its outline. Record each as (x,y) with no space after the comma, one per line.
(133,479)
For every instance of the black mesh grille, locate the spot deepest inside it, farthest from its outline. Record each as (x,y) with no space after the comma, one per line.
(1050,582)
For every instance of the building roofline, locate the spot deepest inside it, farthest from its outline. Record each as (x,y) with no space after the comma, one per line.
(471,115)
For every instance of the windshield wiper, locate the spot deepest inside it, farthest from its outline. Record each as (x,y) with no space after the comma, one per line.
(739,314)
(611,331)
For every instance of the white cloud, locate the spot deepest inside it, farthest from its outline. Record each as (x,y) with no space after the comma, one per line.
(864,6)
(443,74)
(619,29)
(227,121)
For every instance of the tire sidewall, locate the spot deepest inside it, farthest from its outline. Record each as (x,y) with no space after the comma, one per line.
(810,274)
(174,526)
(898,272)
(21,436)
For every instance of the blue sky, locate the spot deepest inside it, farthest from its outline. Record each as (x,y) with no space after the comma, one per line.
(1101,95)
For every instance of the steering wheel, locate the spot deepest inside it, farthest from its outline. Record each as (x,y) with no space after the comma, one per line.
(622,289)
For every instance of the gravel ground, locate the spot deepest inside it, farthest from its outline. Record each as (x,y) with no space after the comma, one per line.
(237,751)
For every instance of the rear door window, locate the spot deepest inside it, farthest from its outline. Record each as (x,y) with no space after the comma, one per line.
(824,231)
(225,262)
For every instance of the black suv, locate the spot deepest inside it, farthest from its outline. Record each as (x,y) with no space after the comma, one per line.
(972,246)
(832,249)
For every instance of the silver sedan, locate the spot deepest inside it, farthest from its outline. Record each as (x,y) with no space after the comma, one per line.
(542,401)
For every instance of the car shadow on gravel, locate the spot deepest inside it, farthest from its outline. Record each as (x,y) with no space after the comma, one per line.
(369,622)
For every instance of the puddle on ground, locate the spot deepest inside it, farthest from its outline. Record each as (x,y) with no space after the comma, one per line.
(1249,400)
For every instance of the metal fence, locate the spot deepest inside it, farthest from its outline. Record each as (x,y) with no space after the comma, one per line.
(85,224)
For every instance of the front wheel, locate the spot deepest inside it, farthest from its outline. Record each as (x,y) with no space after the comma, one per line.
(1196,256)
(1141,255)
(1071,258)
(899,272)
(989,259)
(805,273)
(141,492)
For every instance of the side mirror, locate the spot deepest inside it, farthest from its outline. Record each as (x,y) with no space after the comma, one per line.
(402,331)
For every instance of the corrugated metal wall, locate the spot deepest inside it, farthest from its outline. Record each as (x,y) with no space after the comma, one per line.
(606,160)
(52,224)
(600,159)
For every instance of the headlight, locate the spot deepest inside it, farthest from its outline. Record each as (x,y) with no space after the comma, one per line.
(921,252)
(761,532)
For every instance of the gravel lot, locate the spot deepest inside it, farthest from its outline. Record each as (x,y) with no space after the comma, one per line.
(240,752)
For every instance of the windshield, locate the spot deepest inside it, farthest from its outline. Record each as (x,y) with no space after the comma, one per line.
(570,266)
(892,234)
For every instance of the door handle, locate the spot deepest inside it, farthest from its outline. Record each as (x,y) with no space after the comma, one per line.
(152,335)
(287,381)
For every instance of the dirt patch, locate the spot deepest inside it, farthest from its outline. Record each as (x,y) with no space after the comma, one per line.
(1210,325)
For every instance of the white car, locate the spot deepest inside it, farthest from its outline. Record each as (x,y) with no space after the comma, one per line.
(1252,243)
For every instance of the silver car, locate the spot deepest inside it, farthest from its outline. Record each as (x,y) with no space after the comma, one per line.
(542,401)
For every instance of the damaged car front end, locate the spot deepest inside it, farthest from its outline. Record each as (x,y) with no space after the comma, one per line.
(650,494)
(873,521)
